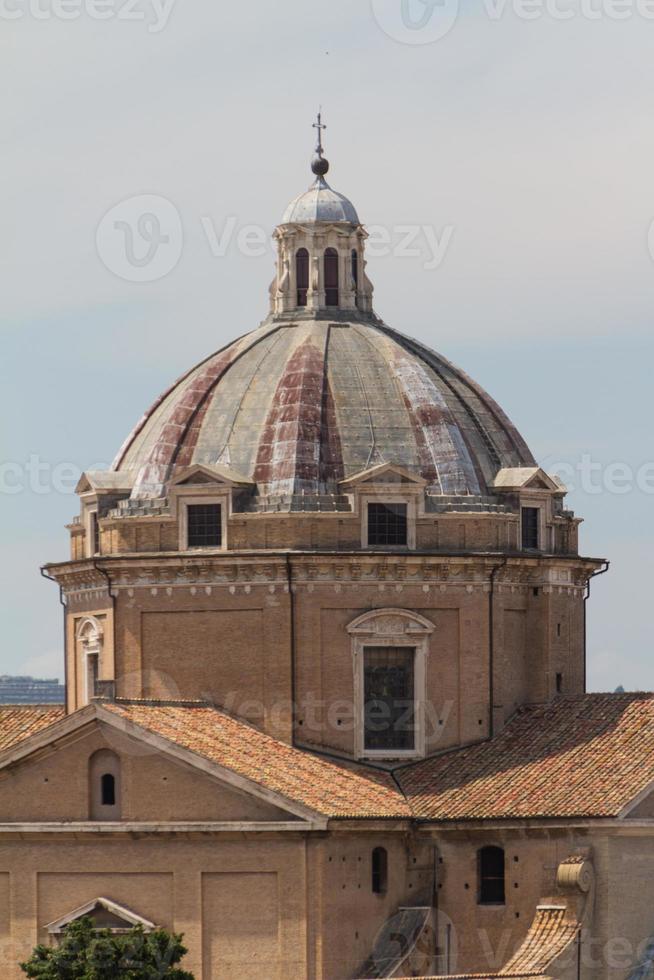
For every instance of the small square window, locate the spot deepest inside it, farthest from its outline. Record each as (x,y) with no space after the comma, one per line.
(387,524)
(530,528)
(204,525)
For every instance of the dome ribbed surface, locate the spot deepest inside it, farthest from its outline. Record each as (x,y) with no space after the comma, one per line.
(320,203)
(298,407)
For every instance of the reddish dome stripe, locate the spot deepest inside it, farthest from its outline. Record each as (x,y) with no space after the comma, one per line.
(288,461)
(296,407)
(156,469)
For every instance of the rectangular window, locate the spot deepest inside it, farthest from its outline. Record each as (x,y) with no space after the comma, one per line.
(204,526)
(389,698)
(530,528)
(387,524)
(92,671)
(94,529)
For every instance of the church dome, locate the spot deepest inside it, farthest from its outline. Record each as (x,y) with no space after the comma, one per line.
(323,390)
(298,406)
(320,203)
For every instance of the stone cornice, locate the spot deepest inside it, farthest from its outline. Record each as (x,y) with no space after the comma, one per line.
(83,829)
(248,571)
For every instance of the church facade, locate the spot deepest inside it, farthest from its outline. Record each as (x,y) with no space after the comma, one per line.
(326,707)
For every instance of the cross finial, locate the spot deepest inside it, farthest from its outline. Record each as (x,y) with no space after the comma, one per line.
(319,165)
(319,125)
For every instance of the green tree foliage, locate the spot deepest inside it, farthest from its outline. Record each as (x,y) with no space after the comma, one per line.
(86,953)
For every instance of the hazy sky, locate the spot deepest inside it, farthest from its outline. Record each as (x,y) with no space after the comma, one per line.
(517,153)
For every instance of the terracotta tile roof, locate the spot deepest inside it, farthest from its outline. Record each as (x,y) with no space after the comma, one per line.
(22,720)
(586,756)
(482,976)
(551,932)
(325,786)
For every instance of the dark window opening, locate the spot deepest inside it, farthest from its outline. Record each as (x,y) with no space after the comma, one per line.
(387,524)
(302,276)
(355,275)
(108,789)
(331,277)
(389,698)
(204,526)
(92,673)
(559,683)
(491,876)
(379,870)
(530,529)
(95,533)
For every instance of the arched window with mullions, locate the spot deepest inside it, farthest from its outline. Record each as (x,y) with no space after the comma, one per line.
(331,277)
(302,275)
(490,863)
(379,880)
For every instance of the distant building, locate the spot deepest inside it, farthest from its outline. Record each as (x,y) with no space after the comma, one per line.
(30,690)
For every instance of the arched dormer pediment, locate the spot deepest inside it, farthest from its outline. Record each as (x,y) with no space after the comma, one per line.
(391,622)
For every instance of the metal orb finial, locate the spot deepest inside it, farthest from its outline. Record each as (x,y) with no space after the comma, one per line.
(319,165)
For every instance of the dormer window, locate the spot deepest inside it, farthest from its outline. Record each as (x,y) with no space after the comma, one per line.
(388,524)
(202,499)
(204,525)
(531,528)
(302,276)
(94,532)
(331,277)
(389,499)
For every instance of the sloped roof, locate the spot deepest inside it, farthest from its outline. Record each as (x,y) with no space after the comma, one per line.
(322,785)
(578,757)
(482,976)
(18,722)
(586,756)
(552,931)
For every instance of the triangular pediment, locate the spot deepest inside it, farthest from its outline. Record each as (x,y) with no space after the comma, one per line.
(383,473)
(512,479)
(104,481)
(104,914)
(202,474)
